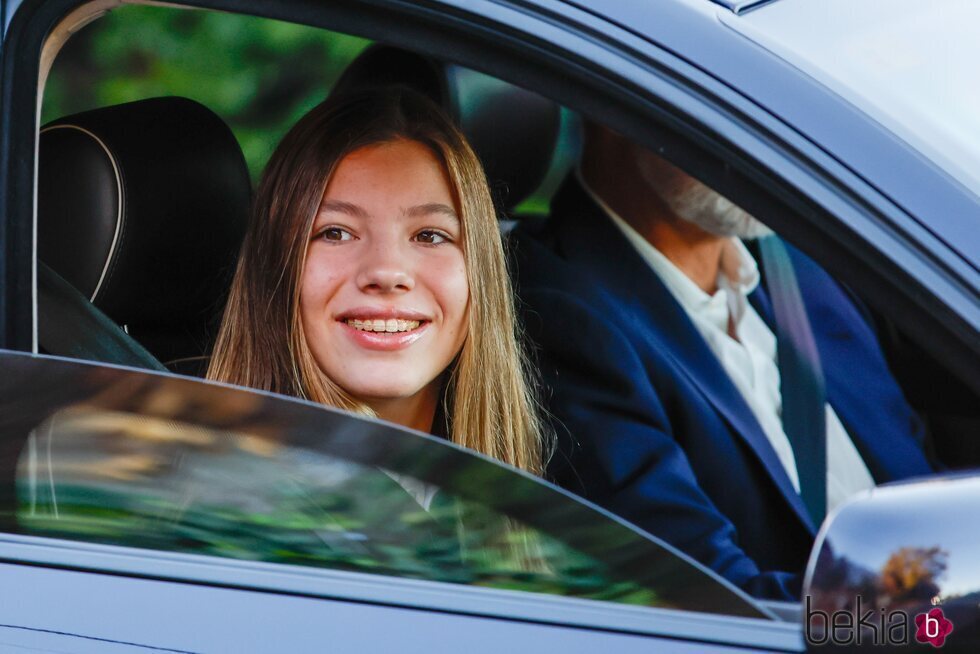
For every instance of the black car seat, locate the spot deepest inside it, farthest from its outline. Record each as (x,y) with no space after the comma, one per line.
(514,131)
(141,211)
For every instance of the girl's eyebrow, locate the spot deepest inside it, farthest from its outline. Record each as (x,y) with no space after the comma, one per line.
(340,206)
(430,208)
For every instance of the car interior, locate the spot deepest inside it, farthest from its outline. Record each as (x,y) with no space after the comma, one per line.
(142,207)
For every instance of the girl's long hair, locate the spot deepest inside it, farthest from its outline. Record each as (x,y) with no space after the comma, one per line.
(487,400)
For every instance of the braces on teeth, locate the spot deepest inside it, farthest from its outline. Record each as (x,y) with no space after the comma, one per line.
(391,325)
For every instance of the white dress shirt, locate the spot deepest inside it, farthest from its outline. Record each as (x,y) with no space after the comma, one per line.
(746,348)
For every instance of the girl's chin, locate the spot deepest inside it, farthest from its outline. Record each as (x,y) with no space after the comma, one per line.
(372,396)
(390,393)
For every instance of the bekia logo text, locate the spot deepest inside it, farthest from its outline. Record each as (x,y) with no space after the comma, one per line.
(873,627)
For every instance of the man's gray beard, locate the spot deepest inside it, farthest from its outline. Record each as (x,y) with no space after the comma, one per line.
(714,213)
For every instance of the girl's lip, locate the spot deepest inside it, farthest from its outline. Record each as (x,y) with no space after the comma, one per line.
(384,341)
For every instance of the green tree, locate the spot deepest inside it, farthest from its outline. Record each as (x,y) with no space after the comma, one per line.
(259,75)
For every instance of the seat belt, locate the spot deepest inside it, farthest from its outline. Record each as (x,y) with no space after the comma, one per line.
(801,377)
(69,325)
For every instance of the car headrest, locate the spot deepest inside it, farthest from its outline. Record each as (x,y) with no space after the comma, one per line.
(142,207)
(512,130)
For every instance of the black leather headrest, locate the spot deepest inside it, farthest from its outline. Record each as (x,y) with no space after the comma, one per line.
(142,207)
(512,130)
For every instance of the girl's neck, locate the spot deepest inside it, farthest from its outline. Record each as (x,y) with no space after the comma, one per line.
(415,412)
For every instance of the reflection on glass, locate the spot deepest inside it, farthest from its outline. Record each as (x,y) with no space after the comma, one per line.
(116,478)
(130,458)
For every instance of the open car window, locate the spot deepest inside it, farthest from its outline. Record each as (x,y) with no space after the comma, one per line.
(144,460)
(96,68)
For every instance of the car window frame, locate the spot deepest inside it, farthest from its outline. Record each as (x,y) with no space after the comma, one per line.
(417,595)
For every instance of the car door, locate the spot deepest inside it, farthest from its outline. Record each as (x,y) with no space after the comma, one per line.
(201,517)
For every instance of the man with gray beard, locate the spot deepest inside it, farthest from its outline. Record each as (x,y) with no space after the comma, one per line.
(719,413)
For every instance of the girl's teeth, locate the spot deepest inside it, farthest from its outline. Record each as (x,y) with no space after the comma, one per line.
(391,325)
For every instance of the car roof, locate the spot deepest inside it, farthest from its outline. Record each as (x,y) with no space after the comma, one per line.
(741,6)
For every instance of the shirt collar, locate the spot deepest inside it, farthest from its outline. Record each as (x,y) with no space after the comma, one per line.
(738,274)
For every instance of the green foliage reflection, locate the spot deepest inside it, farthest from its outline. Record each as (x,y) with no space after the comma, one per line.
(369,524)
(161,483)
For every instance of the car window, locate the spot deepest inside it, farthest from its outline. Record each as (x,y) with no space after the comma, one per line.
(267,75)
(155,461)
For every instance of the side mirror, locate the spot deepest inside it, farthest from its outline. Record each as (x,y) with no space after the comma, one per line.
(898,567)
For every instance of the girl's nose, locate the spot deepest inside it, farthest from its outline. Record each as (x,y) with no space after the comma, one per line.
(385,269)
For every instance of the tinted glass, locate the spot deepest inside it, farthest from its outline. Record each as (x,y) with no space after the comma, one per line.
(153,461)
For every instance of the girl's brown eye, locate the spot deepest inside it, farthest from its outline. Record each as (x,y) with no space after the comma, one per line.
(430,236)
(335,234)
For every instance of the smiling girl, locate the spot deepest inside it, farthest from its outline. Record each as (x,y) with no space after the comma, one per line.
(372,278)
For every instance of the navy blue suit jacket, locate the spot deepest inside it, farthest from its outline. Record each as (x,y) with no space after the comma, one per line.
(650,425)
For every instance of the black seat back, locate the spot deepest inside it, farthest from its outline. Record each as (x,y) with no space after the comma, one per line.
(142,208)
